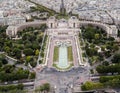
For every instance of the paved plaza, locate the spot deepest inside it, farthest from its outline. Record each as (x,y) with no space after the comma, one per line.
(53,44)
(62,82)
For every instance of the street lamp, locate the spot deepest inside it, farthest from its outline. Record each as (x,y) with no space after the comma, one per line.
(71,87)
(55,87)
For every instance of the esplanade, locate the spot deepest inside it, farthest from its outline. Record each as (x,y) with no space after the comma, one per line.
(63,38)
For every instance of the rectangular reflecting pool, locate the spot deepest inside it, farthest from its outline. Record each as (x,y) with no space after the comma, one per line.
(63,57)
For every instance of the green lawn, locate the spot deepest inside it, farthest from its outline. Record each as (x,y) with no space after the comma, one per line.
(56,54)
(70,54)
(55,65)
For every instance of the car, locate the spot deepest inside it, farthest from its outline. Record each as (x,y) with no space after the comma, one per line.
(15,82)
(6,83)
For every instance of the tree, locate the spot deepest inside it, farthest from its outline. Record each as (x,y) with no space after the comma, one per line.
(8,68)
(35,45)
(19,33)
(115,47)
(107,53)
(24,37)
(103,48)
(101,69)
(9,43)
(91,86)
(97,36)
(28,45)
(111,38)
(42,54)
(43,27)
(32,75)
(40,61)
(28,51)
(40,38)
(118,33)
(33,63)
(116,58)
(10,88)
(91,51)
(45,87)
(108,69)
(37,52)
(87,86)
(1,44)
(17,53)
(29,58)
(112,81)
(1,63)
(106,63)
(4,61)
(20,86)
(109,46)
(31,37)
(7,49)
(101,57)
